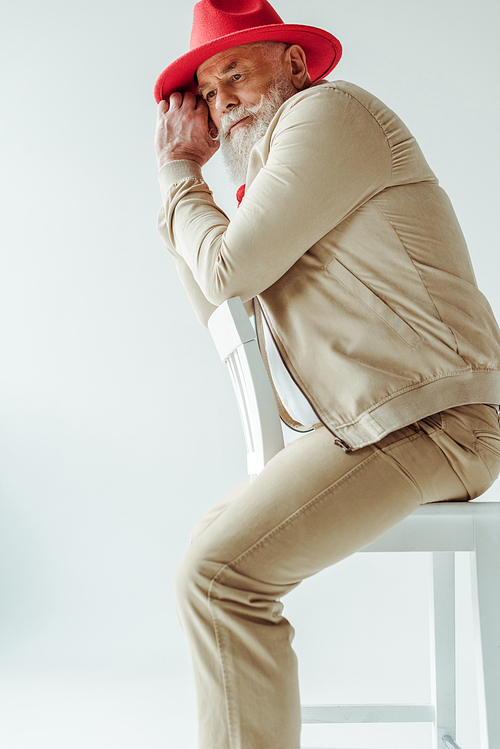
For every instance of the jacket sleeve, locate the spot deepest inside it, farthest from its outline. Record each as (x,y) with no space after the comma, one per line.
(324,154)
(202,307)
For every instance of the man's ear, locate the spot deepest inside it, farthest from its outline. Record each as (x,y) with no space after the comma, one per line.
(295,58)
(212,128)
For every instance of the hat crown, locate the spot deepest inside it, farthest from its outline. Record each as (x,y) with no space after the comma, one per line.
(213,19)
(219,25)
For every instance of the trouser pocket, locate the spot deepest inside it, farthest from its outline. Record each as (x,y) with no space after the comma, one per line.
(488,449)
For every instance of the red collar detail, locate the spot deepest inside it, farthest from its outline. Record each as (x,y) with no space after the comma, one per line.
(240,194)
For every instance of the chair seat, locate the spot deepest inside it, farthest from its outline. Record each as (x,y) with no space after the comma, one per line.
(441,526)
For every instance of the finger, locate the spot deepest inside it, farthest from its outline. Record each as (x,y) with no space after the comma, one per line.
(175,100)
(163,107)
(203,111)
(201,103)
(189,99)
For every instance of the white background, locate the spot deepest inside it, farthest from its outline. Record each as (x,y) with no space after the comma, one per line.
(118,427)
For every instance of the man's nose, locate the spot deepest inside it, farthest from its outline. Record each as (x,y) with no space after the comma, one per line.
(226,99)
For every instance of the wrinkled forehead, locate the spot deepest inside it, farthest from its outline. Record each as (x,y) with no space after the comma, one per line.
(222,61)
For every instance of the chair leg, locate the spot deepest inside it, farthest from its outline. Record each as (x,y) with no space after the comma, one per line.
(443,646)
(485,577)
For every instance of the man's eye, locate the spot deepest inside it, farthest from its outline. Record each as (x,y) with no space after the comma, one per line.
(236,76)
(210,95)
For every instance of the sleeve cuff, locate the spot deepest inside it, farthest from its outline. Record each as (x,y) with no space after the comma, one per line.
(178,171)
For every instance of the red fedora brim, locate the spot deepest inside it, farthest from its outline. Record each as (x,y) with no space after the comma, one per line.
(323,52)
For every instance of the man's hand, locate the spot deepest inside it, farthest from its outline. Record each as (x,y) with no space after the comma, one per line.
(182,130)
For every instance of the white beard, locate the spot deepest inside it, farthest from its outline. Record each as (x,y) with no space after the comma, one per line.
(235,145)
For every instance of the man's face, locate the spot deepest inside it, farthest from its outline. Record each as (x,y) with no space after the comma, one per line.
(244,87)
(238,76)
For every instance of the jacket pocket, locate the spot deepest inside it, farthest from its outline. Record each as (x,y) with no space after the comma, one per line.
(374,303)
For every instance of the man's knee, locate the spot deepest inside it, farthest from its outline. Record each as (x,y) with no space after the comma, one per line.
(193,578)
(210,517)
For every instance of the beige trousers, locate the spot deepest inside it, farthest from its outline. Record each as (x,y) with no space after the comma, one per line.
(312,506)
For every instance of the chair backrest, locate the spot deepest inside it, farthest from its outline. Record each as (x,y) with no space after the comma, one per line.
(236,342)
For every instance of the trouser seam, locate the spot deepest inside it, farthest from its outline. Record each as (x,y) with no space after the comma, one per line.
(450,463)
(386,452)
(218,634)
(320,496)
(224,669)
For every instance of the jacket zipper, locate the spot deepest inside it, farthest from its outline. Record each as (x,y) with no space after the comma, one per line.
(340,443)
(337,441)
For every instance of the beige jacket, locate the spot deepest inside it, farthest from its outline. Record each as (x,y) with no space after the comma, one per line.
(357,261)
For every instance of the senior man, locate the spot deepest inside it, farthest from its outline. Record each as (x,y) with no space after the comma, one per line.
(378,342)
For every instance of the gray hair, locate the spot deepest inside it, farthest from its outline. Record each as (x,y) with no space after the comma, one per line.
(273,50)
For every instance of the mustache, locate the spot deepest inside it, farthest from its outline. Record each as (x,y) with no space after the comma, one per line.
(235,115)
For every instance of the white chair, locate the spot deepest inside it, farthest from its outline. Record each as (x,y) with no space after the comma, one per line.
(443,529)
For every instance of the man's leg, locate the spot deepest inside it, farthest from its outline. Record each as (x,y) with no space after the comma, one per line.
(312,506)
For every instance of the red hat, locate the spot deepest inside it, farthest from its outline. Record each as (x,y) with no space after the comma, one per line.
(221,24)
